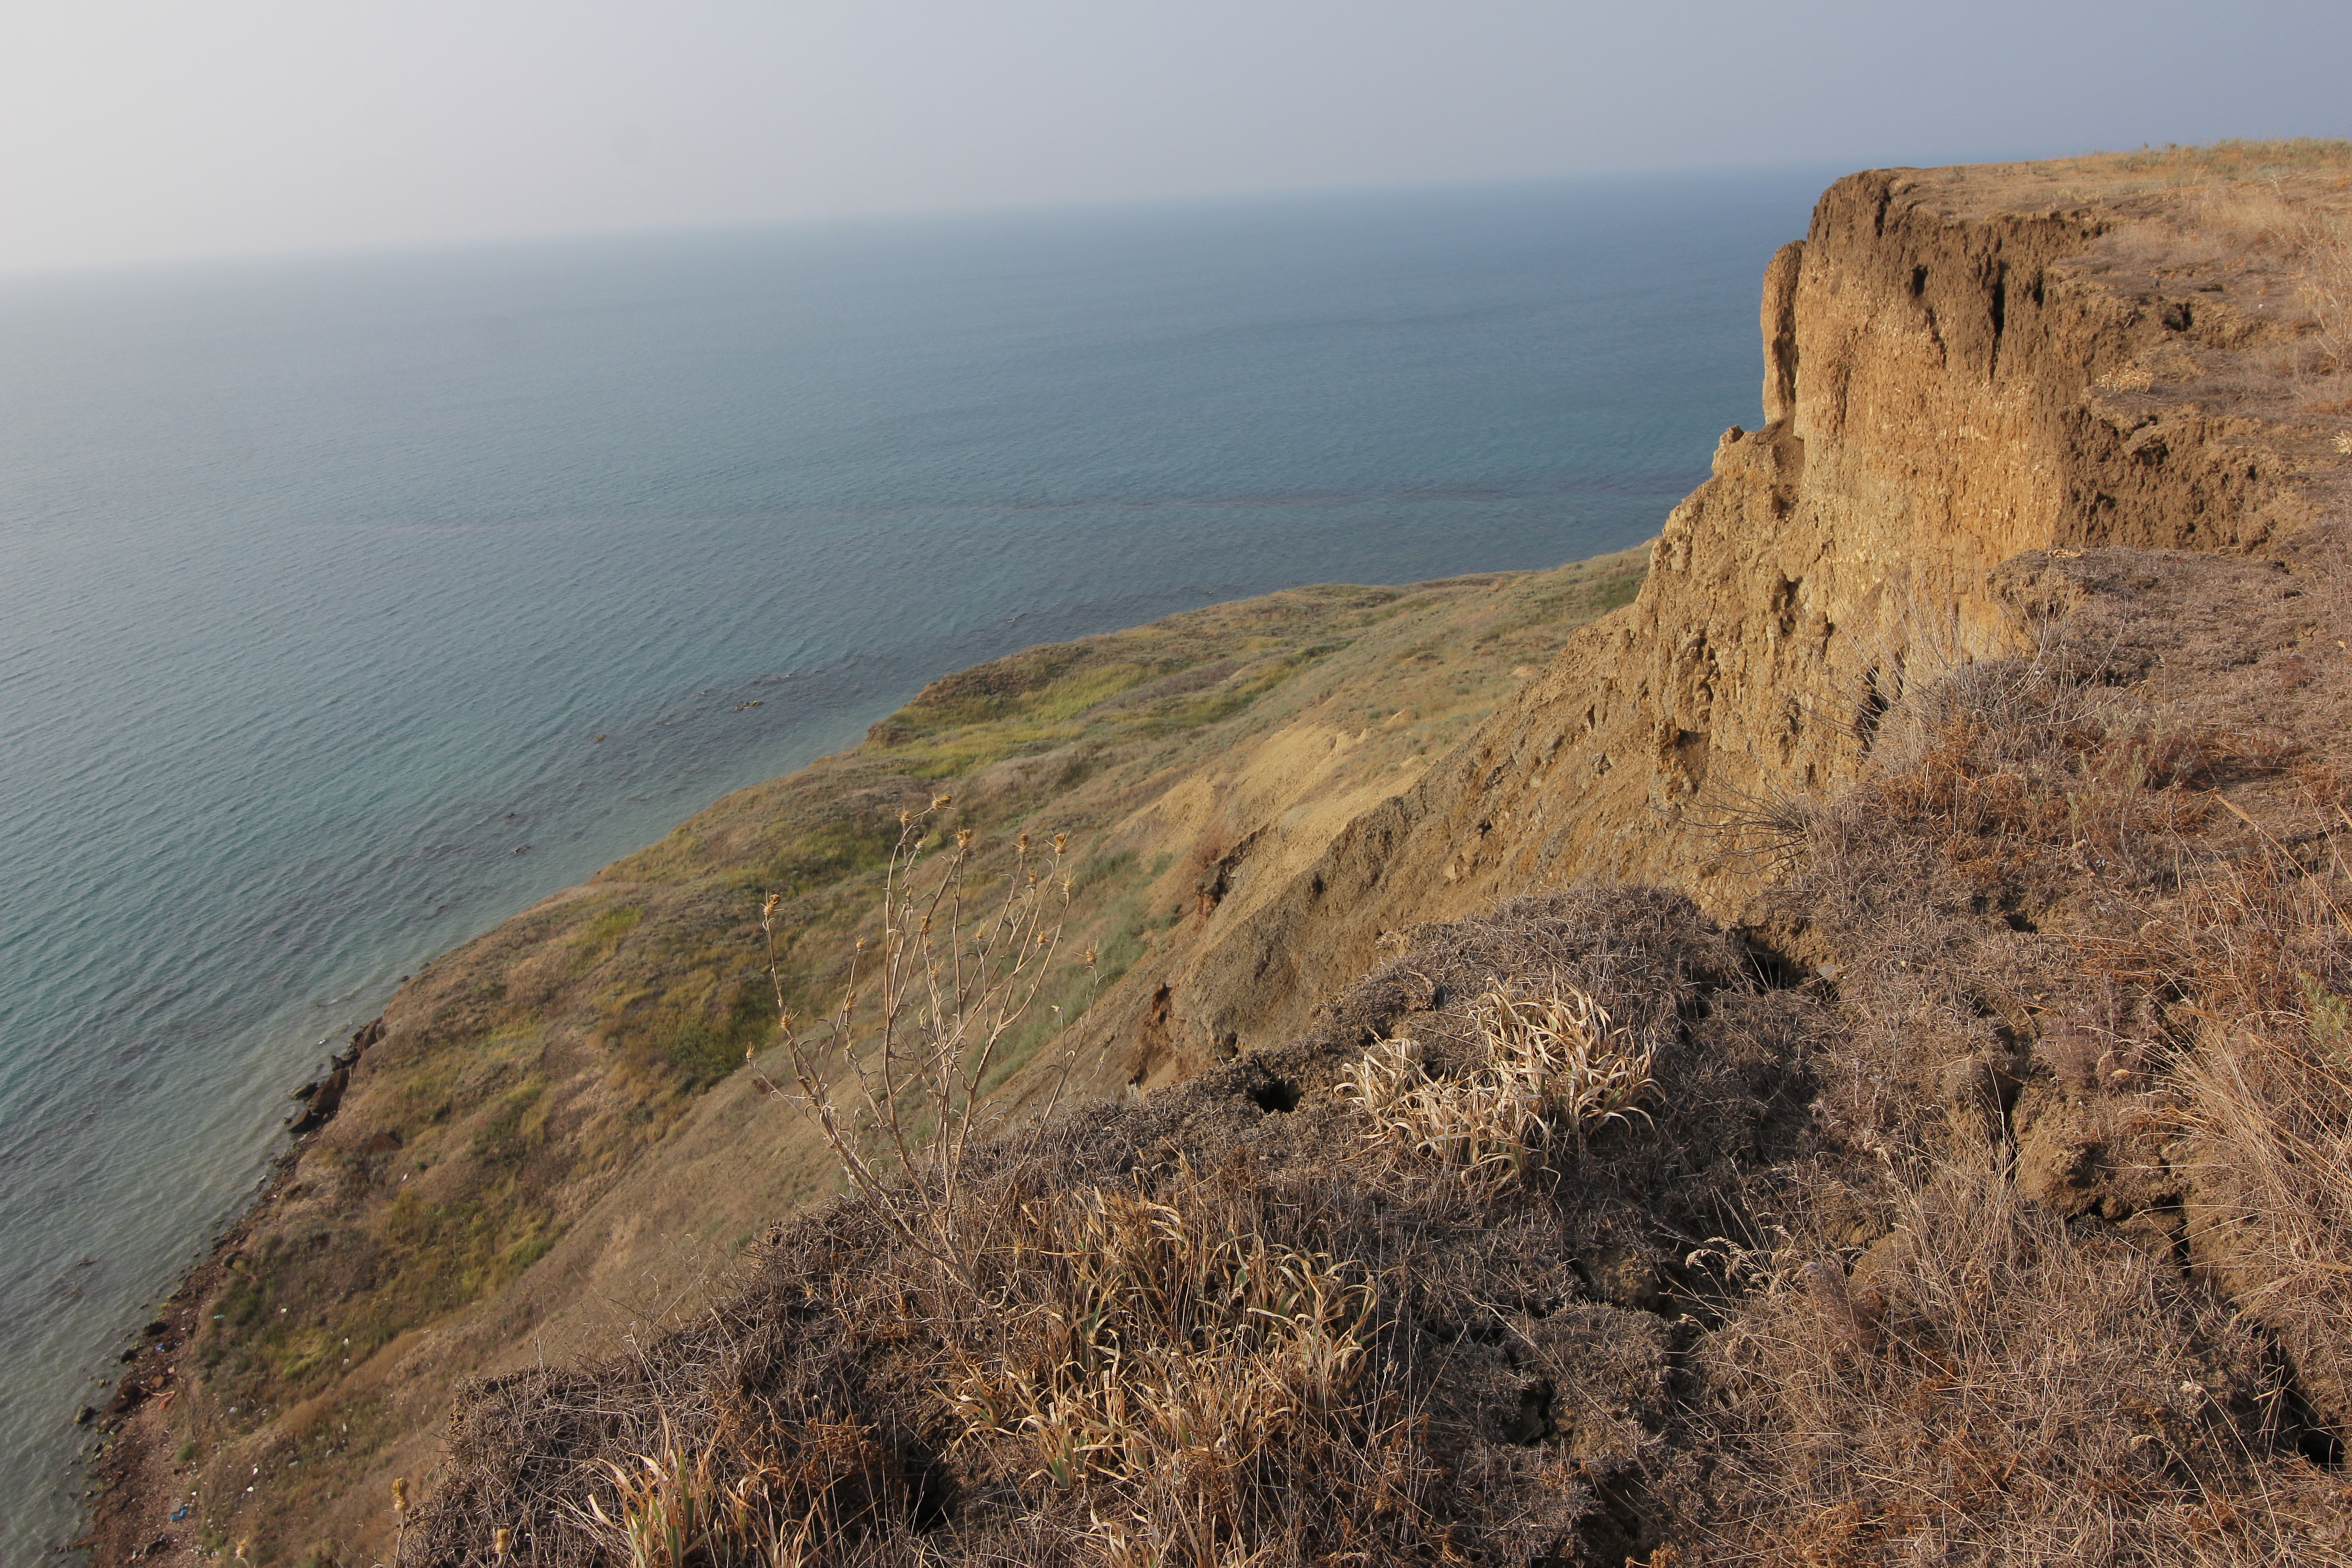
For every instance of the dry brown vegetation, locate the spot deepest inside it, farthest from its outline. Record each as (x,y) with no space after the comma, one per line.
(1552,1067)
(1223,1327)
(2016,1235)
(531,1075)
(2091,951)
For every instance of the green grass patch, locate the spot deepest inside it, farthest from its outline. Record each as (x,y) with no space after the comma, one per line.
(516,1127)
(600,938)
(851,846)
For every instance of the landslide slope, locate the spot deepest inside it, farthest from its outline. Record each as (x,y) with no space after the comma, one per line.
(1985,1195)
(550,1140)
(1961,365)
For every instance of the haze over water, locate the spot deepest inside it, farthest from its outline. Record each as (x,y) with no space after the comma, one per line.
(321,581)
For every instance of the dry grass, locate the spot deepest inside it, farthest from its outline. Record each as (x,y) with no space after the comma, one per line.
(2106,176)
(1130,1374)
(2280,232)
(1992,1385)
(2271,1151)
(1188,1332)
(1174,1371)
(2260,953)
(2235,159)
(1134,1372)
(1552,1067)
(1140,1381)
(2042,1200)
(723,1506)
(2326,247)
(2093,962)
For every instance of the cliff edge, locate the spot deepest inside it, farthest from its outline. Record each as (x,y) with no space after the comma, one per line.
(1962,366)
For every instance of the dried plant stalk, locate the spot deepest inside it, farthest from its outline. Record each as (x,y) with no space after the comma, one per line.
(893,1076)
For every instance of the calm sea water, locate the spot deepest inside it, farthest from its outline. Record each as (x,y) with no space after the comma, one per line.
(318,581)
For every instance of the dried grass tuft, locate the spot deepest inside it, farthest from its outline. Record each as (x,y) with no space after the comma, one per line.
(1174,1371)
(1552,1067)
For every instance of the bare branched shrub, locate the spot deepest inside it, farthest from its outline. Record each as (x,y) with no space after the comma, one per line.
(923,1022)
(1552,1067)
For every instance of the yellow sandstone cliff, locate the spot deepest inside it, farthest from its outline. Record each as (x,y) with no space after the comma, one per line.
(1961,365)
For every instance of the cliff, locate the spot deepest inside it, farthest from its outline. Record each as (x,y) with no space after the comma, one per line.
(1945,708)
(1958,371)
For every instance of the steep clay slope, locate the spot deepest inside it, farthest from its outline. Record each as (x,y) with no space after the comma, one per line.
(1961,365)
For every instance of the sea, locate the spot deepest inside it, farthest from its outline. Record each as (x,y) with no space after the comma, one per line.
(349,605)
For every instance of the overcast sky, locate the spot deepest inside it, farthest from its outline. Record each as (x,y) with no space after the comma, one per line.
(157,131)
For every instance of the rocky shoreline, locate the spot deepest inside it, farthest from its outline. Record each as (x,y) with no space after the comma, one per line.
(133,1473)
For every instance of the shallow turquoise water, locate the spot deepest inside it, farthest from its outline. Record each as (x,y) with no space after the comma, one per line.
(318,580)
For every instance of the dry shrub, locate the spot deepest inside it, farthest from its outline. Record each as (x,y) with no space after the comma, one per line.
(1552,1067)
(929,1010)
(1992,1385)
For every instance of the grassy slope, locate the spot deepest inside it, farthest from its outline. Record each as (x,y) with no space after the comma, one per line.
(1918,1264)
(546,1088)
(2042,1256)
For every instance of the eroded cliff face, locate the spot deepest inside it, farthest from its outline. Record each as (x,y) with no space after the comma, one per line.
(1949,382)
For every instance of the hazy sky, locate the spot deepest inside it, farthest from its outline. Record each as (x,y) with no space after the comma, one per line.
(152,131)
